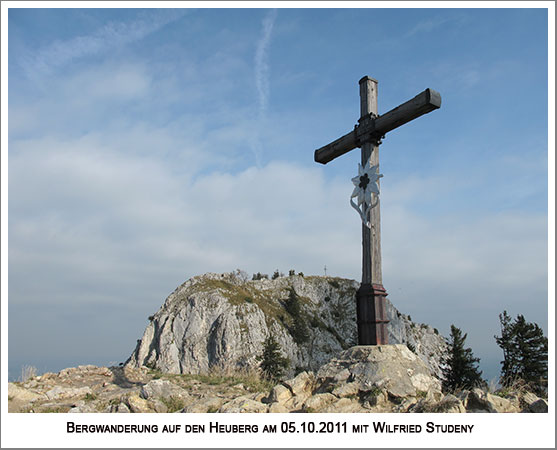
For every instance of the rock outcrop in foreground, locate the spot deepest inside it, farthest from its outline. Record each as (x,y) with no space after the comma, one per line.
(380,379)
(359,380)
(221,320)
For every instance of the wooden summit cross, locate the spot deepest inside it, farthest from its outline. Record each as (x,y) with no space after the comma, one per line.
(370,308)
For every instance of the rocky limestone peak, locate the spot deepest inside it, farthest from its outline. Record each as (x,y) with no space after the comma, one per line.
(221,321)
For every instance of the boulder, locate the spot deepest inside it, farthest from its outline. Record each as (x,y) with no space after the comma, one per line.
(476,401)
(204,405)
(317,402)
(162,389)
(19,394)
(500,404)
(243,404)
(539,406)
(277,408)
(392,368)
(302,384)
(122,408)
(280,394)
(137,404)
(344,405)
(62,392)
(84,408)
(347,390)
(532,403)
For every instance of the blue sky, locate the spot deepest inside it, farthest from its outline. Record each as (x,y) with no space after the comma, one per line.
(147,146)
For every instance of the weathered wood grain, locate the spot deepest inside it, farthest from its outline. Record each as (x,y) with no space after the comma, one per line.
(423,103)
(372,128)
(336,148)
(371,238)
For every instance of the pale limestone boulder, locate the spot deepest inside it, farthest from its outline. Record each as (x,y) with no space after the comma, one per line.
(139,405)
(344,405)
(501,405)
(162,389)
(17,393)
(392,368)
(122,408)
(61,392)
(280,394)
(243,404)
(277,408)
(347,390)
(204,405)
(84,408)
(318,402)
(302,384)
(296,402)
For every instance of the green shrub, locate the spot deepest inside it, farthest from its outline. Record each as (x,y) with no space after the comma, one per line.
(273,364)
(172,403)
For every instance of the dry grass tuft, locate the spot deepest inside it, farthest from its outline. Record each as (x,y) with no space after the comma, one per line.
(27,372)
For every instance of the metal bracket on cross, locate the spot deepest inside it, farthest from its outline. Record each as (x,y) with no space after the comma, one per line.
(366,189)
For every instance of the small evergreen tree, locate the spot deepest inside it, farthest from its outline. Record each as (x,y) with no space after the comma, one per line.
(299,330)
(506,341)
(292,304)
(276,274)
(524,352)
(461,369)
(273,364)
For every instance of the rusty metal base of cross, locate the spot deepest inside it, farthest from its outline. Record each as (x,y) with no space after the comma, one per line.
(371,315)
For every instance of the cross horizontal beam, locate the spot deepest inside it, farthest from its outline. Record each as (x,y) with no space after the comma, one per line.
(373,128)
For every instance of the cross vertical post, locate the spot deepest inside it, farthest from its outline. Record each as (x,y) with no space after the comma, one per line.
(370,307)
(371,312)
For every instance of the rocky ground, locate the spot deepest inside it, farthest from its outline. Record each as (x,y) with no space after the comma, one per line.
(356,381)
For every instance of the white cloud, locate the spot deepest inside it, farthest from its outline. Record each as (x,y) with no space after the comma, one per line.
(427,26)
(82,100)
(75,195)
(47,60)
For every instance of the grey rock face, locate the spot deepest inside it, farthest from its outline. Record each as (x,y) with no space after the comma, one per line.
(221,321)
